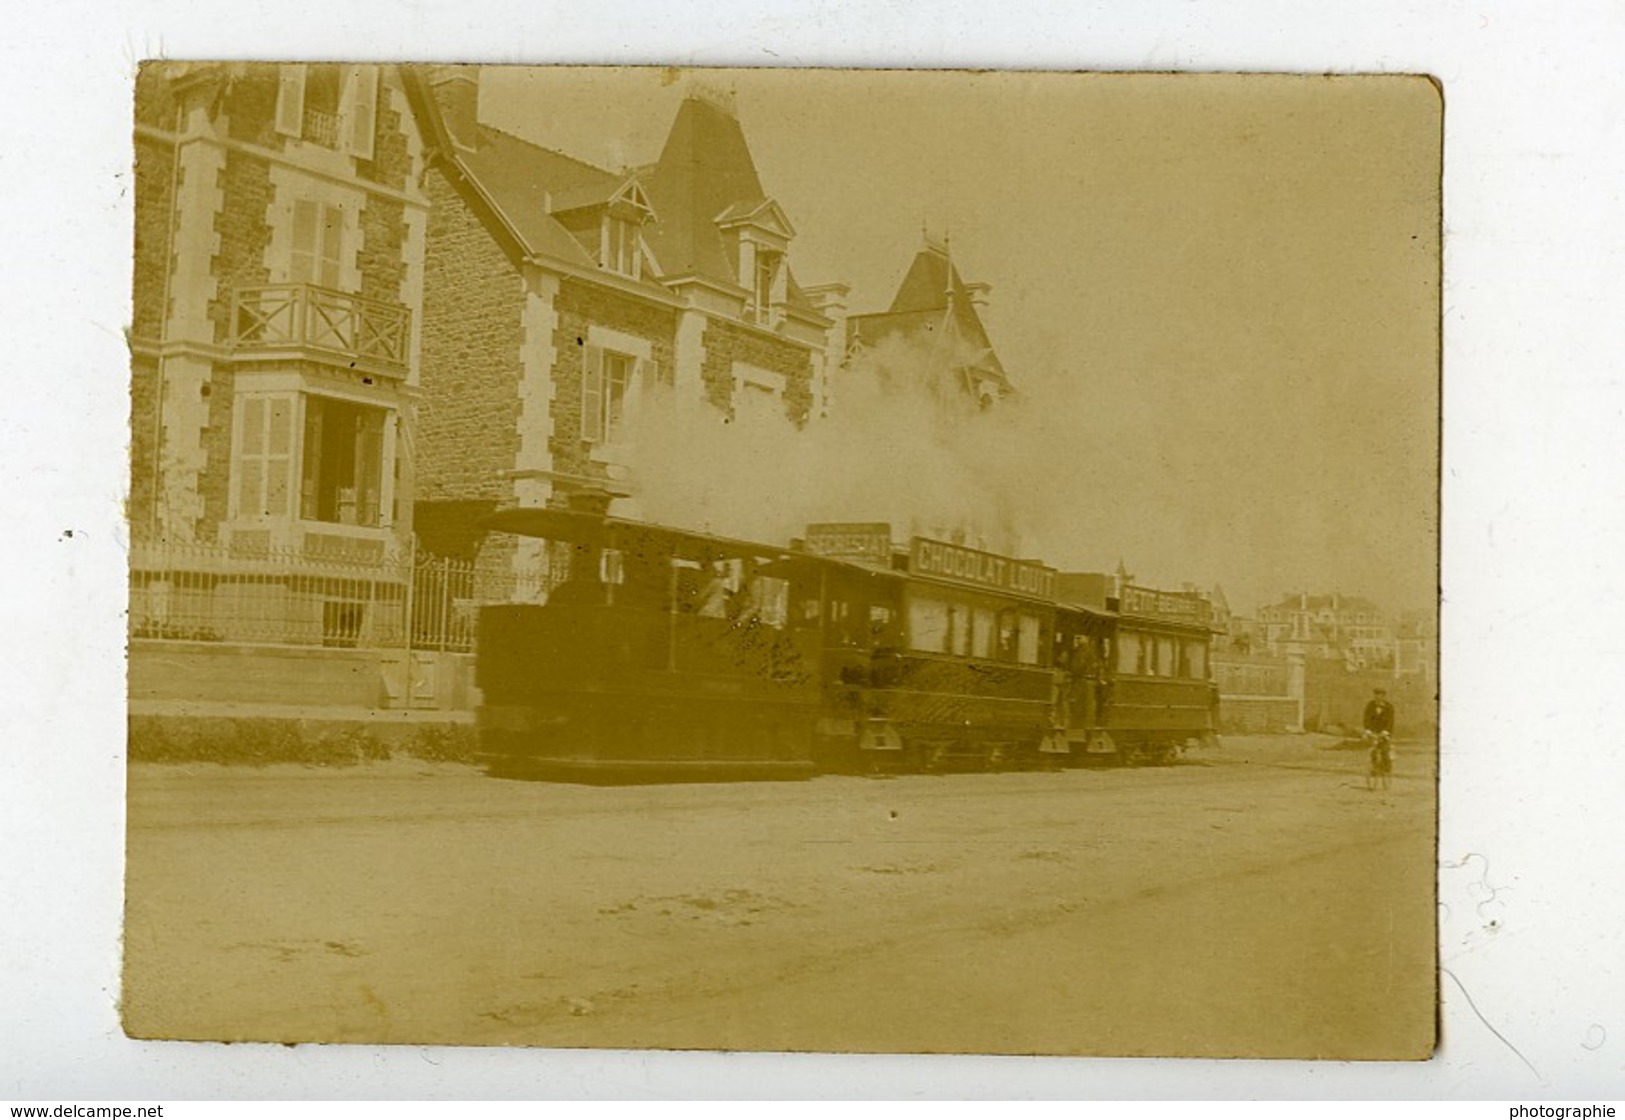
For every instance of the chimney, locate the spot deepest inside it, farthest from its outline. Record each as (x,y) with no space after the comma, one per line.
(456,92)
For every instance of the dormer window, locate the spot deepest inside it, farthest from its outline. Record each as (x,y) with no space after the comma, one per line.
(621,246)
(764,291)
(760,234)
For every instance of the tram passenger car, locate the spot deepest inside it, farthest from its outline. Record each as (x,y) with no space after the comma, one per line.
(669,654)
(1138,685)
(663,654)
(935,657)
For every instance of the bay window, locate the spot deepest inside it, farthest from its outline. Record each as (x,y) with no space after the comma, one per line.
(342,477)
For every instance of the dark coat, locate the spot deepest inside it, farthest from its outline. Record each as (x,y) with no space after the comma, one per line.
(1379,716)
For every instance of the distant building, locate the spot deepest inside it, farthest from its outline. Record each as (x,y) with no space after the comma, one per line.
(936,308)
(1329,626)
(559,294)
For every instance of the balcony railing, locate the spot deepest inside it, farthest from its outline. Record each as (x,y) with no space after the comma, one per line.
(320,322)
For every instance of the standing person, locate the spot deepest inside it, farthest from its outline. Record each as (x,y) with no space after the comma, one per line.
(1379,714)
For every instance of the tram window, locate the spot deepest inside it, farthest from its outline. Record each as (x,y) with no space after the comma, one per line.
(981,632)
(765,599)
(807,613)
(721,582)
(959,628)
(1167,657)
(928,625)
(1196,660)
(883,626)
(838,623)
(1007,636)
(1027,638)
(611,566)
(1128,653)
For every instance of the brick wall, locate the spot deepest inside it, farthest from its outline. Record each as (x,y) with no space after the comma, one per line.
(581,306)
(154,201)
(726,343)
(243,231)
(1257,715)
(383,232)
(154,105)
(391,160)
(250,106)
(1334,698)
(143,443)
(473,304)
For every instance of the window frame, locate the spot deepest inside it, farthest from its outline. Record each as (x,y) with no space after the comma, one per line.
(327,229)
(602,422)
(289,117)
(368,445)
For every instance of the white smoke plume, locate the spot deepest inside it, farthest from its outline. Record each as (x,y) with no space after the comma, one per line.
(903,443)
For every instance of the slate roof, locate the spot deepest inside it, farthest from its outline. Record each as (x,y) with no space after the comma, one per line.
(922,307)
(705,174)
(526,182)
(704,171)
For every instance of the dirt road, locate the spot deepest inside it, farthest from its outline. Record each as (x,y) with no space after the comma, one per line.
(1256,900)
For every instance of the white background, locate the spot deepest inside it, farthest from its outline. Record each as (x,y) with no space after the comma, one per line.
(1534,488)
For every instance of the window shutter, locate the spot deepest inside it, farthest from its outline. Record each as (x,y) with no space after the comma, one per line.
(277,459)
(361,109)
(592,394)
(290,100)
(302,261)
(250,449)
(332,241)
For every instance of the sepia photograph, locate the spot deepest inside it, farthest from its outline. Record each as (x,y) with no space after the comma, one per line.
(784,560)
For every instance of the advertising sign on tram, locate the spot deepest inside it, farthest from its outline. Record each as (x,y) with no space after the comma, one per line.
(942,560)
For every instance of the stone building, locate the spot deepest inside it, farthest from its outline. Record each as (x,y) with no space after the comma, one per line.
(1329,626)
(560,296)
(278,277)
(935,308)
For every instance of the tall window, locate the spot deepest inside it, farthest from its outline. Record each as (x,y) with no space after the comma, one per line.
(621,246)
(330,105)
(342,480)
(606,382)
(264,455)
(767,276)
(318,234)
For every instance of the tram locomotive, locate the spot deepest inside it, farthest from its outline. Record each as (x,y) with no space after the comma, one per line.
(667,654)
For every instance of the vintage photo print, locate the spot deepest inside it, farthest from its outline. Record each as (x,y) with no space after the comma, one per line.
(784,560)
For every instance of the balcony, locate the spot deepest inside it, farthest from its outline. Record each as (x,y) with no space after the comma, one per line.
(304,321)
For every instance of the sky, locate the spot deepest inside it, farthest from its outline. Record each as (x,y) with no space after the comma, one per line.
(1217,295)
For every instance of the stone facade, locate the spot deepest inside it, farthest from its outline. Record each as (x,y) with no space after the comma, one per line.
(231,162)
(580,308)
(727,345)
(473,332)
(523,313)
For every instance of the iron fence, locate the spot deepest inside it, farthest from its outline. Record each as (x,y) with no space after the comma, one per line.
(286,596)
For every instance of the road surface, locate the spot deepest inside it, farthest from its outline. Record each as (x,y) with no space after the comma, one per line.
(1255,900)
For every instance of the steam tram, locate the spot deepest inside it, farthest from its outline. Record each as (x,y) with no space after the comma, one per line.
(669,654)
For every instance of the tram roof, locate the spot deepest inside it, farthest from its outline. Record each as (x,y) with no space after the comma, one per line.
(577,527)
